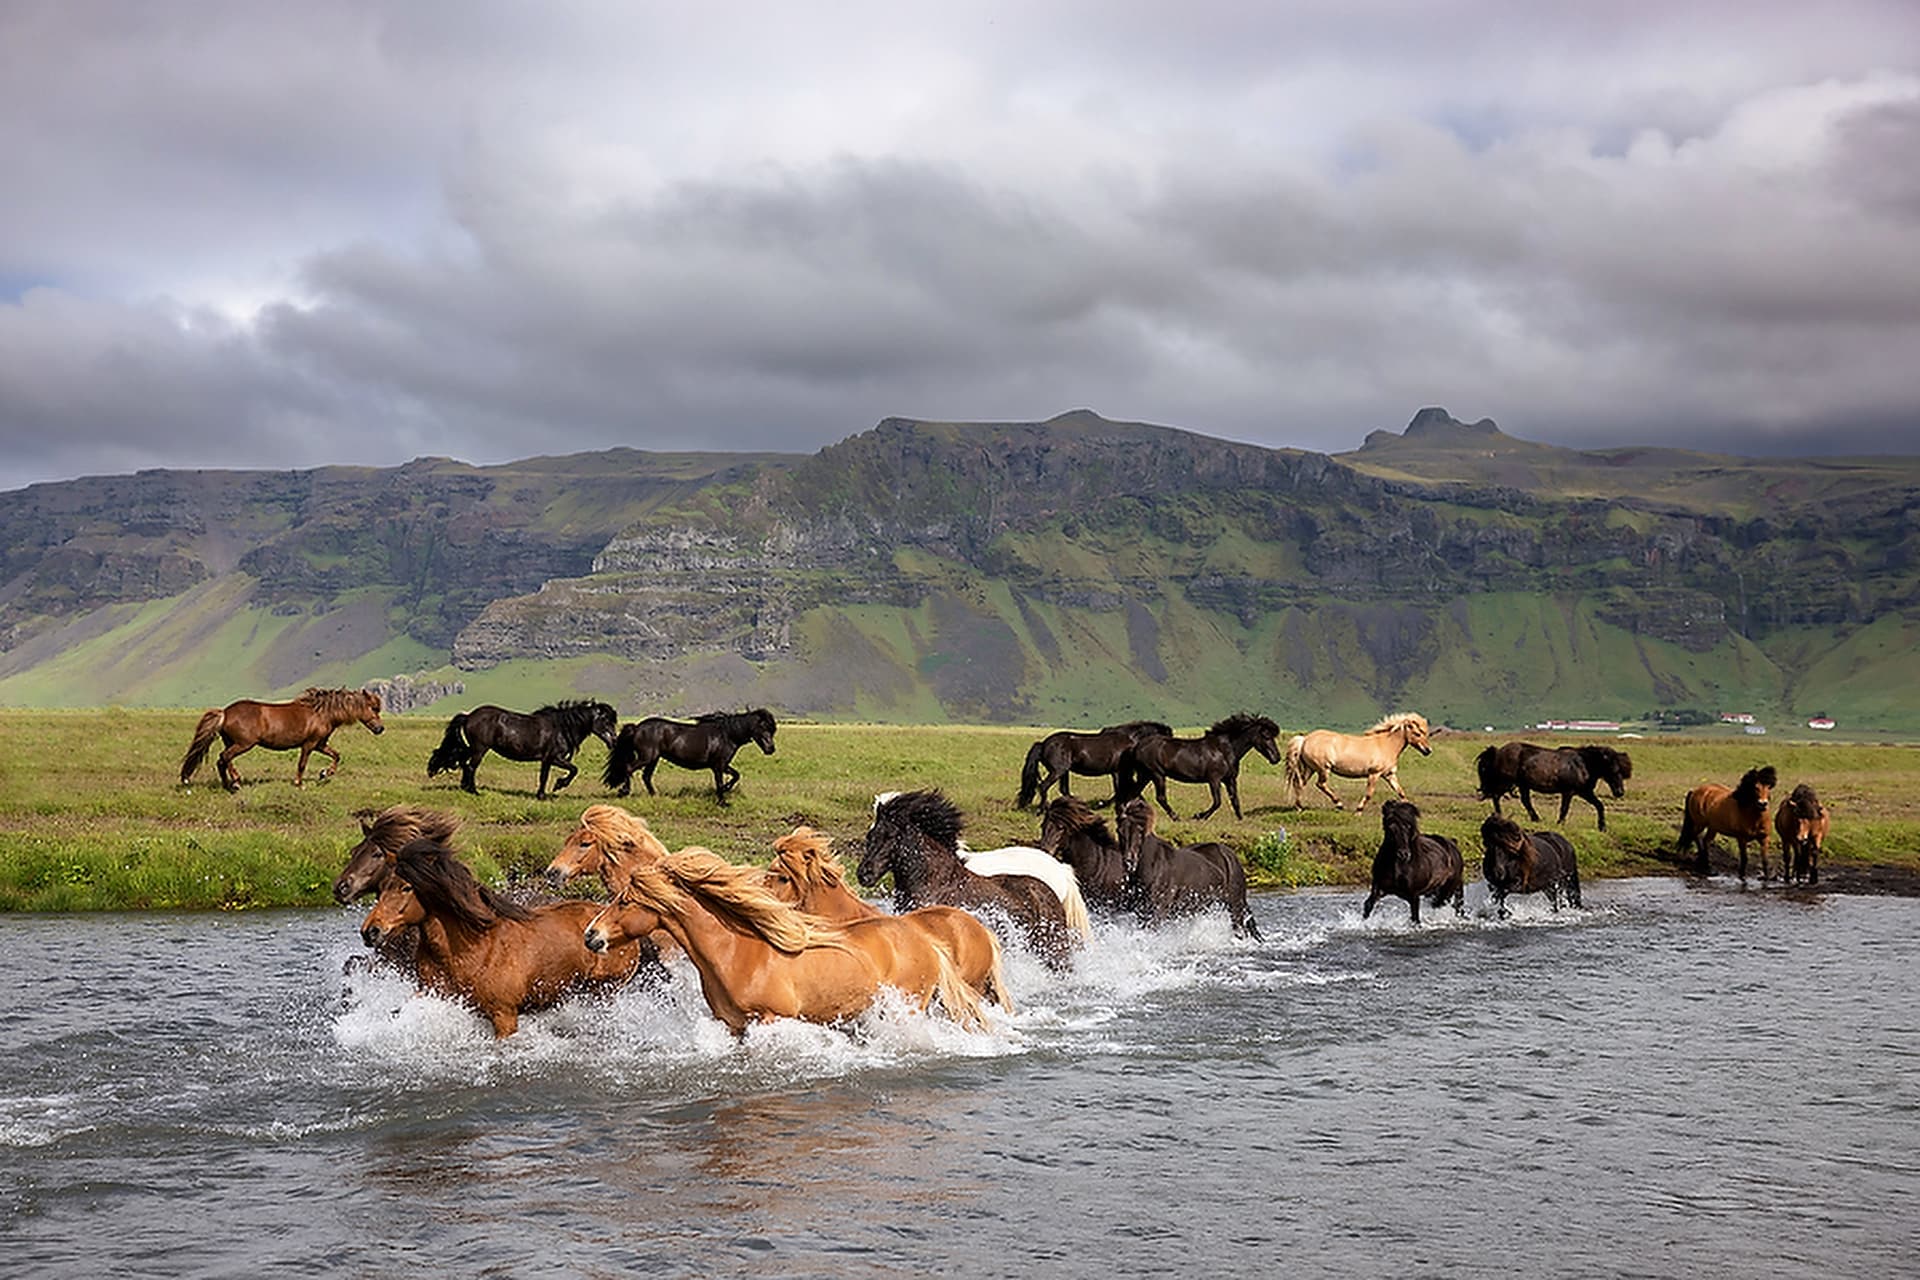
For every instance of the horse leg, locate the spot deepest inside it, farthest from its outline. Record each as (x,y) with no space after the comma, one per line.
(1367,910)
(1600,810)
(646,774)
(572,771)
(1393,780)
(540,793)
(300,768)
(230,776)
(1233,794)
(1372,778)
(467,769)
(1213,789)
(1742,842)
(1414,903)
(1566,802)
(1500,904)
(719,785)
(1526,799)
(1160,794)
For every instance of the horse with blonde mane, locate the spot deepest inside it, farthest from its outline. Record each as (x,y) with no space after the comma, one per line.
(304,724)
(1372,755)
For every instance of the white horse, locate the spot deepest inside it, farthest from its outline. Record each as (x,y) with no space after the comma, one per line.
(1024,860)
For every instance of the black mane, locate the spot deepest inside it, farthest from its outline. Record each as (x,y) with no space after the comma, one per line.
(928,812)
(1242,721)
(1747,794)
(446,886)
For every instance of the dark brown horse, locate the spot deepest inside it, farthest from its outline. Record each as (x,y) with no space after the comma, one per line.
(1212,758)
(550,735)
(1802,825)
(1071,831)
(1181,880)
(1519,861)
(1092,755)
(1740,812)
(306,722)
(370,862)
(709,742)
(915,837)
(1565,771)
(1412,864)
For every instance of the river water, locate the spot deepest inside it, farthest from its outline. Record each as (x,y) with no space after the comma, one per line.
(1681,1079)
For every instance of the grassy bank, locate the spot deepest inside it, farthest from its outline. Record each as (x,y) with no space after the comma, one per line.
(92,817)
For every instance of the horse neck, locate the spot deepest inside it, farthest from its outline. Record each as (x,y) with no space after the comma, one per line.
(723,956)
(922,867)
(459,950)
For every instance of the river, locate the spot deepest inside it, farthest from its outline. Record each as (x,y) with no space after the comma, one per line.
(1680,1079)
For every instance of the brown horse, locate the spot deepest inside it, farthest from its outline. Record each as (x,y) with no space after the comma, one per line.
(1412,863)
(1802,824)
(306,722)
(1178,880)
(501,958)
(805,874)
(1372,755)
(1519,861)
(1071,831)
(761,959)
(370,862)
(1740,812)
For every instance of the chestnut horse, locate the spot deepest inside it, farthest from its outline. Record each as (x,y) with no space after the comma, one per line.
(1519,861)
(1411,863)
(370,862)
(1740,812)
(1091,755)
(306,722)
(501,958)
(1802,824)
(761,959)
(1372,755)
(1213,758)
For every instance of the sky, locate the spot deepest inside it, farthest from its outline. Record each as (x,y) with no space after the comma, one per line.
(288,235)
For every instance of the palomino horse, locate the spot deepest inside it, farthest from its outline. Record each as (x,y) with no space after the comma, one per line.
(1519,861)
(805,874)
(1566,771)
(1740,812)
(1213,758)
(1802,824)
(1071,831)
(915,837)
(306,722)
(371,861)
(1092,755)
(761,959)
(1372,755)
(1412,864)
(1024,860)
(550,735)
(501,958)
(708,743)
(1176,880)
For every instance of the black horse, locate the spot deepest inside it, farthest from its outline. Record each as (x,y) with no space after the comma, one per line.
(549,735)
(1179,880)
(1519,861)
(1092,755)
(707,743)
(1071,831)
(1411,863)
(915,836)
(1565,771)
(1212,758)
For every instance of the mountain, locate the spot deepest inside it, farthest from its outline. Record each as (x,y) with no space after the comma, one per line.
(1071,571)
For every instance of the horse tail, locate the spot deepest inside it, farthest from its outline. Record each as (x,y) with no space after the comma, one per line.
(1296,765)
(961,1001)
(452,751)
(1030,775)
(1687,828)
(621,761)
(203,735)
(1485,766)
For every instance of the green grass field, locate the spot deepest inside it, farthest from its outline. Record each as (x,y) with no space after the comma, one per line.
(92,816)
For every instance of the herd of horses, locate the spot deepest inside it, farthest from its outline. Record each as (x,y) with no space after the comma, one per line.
(794,940)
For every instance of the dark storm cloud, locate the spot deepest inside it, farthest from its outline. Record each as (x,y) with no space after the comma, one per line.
(278,237)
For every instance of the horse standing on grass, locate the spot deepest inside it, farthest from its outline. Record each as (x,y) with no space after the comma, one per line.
(1412,864)
(1372,755)
(1740,812)
(306,723)
(709,742)
(1213,758)
(550,735)
(1519,861)
(1058,755)
(1802,825)
(1568,771)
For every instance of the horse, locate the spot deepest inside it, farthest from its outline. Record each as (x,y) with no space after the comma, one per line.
(1412,863)
(1212,758)
(1566,771)
(916,836)
(1372,755)
(707,743)
(1172,880)
(1802,824)
(1519,861)
(1712,810)
(1024,860)
(499,957)
(306,722)
(1109,751)
(370,862)
(759,958)
(550,735)
(1071,831)
(805,874)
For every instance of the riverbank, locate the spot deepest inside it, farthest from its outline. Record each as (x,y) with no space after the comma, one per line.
(92,816)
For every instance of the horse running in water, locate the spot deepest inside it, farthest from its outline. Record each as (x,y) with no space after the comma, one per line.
(550,735)
(1519,861)
(1180,880)
(1566,771)
(369,863)
(1071,831)
(304,723)
(1372,755)
(1739,812)
(1412,864)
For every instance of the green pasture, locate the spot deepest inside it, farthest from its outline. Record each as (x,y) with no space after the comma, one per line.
(92,815)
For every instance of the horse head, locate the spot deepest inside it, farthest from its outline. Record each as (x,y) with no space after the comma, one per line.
(1134,821)
(760,722)
(604,723)
(1267,739)
(1756,787)
(1413,727)
(382,836)
(1064,818)
(370,711)
(1506,845)
(1803,803)
(903,823)
(1610,766)
(607,838)
(1400,826)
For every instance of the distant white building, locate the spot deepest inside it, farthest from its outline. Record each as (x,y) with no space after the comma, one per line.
(1757,729)
(1736,717)
(1579,726)
(1822,723)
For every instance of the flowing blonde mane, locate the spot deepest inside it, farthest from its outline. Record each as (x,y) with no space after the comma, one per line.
(679,881)
(803,856)
(1401,720)
(623,838)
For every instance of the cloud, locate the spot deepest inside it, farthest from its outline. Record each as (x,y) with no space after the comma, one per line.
(265,237)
